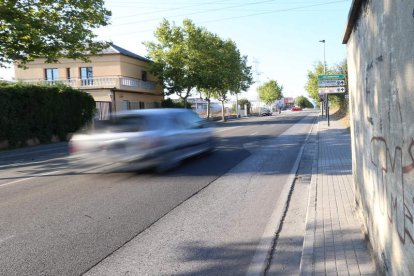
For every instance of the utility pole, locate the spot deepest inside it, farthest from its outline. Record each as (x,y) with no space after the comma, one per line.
(257,72)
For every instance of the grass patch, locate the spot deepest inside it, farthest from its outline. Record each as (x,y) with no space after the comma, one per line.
(341,113)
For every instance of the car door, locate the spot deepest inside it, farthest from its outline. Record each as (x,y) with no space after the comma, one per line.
(195,131)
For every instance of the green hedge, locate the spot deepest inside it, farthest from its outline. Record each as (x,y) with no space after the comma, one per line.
(169,103)
(32,111)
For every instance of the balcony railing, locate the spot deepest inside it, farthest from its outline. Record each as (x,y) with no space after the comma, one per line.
(102,82)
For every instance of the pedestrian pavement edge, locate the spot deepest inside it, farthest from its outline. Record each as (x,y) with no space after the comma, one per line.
(307,252)
(261,257)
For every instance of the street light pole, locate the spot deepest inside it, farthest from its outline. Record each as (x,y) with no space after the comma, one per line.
(324,72)
(324,61)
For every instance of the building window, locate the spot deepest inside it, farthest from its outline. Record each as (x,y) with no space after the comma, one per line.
(86,75)
(144,75)
(68,73)
(141,105)
(51,74)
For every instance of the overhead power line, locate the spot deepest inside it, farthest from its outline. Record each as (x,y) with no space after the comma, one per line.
(275,11)
(248,15)
(173,9)
(199,12)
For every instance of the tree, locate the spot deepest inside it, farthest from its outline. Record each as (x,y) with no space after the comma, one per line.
(270,91)
(225,70)
(210,66)
(178,57)
(245,79)
(303,102)
(189,57)
(169,103)
(339,99)
(234,74)
(312,83)
(49,29)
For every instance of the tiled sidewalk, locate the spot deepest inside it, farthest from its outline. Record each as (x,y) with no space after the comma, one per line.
(334,243)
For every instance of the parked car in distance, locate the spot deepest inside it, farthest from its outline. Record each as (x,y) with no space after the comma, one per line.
(296,108)
(158,138)
(265,112)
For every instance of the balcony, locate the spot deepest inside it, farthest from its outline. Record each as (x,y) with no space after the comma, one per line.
(115,82)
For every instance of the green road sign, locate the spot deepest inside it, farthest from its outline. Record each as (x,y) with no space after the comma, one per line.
(331,77)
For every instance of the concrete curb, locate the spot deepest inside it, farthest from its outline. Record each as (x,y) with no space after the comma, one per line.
(306,262)
(261,258)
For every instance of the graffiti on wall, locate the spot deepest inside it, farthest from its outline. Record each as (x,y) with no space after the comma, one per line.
(394,194)
(393,159)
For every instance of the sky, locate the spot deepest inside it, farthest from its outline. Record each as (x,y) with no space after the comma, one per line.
(280,37)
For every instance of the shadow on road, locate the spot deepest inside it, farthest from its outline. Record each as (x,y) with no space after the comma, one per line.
(235,258)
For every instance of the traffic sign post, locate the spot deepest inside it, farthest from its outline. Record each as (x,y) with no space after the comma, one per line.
(330,84)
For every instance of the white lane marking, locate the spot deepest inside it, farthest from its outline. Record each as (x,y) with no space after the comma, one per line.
(254,133)
(27,178)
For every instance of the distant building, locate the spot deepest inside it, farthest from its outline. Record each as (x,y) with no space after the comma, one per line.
(200,106)
(117,79)
(289,102)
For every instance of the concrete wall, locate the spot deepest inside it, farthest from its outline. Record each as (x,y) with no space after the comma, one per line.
(381,84)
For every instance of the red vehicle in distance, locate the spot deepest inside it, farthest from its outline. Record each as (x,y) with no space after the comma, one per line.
(296,108)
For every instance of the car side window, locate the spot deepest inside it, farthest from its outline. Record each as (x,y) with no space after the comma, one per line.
(128,124)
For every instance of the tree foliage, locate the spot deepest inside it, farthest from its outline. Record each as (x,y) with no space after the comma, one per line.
(169,103)
(177,57)
(234,75)
(50,29)
(312,84)
(303,102)
(270,91)
(340,68)
(190,57)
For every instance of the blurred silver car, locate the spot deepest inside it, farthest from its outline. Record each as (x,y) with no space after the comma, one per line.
(159,138)
(265,112)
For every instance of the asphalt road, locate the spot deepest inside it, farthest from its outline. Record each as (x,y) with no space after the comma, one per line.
(207,216)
